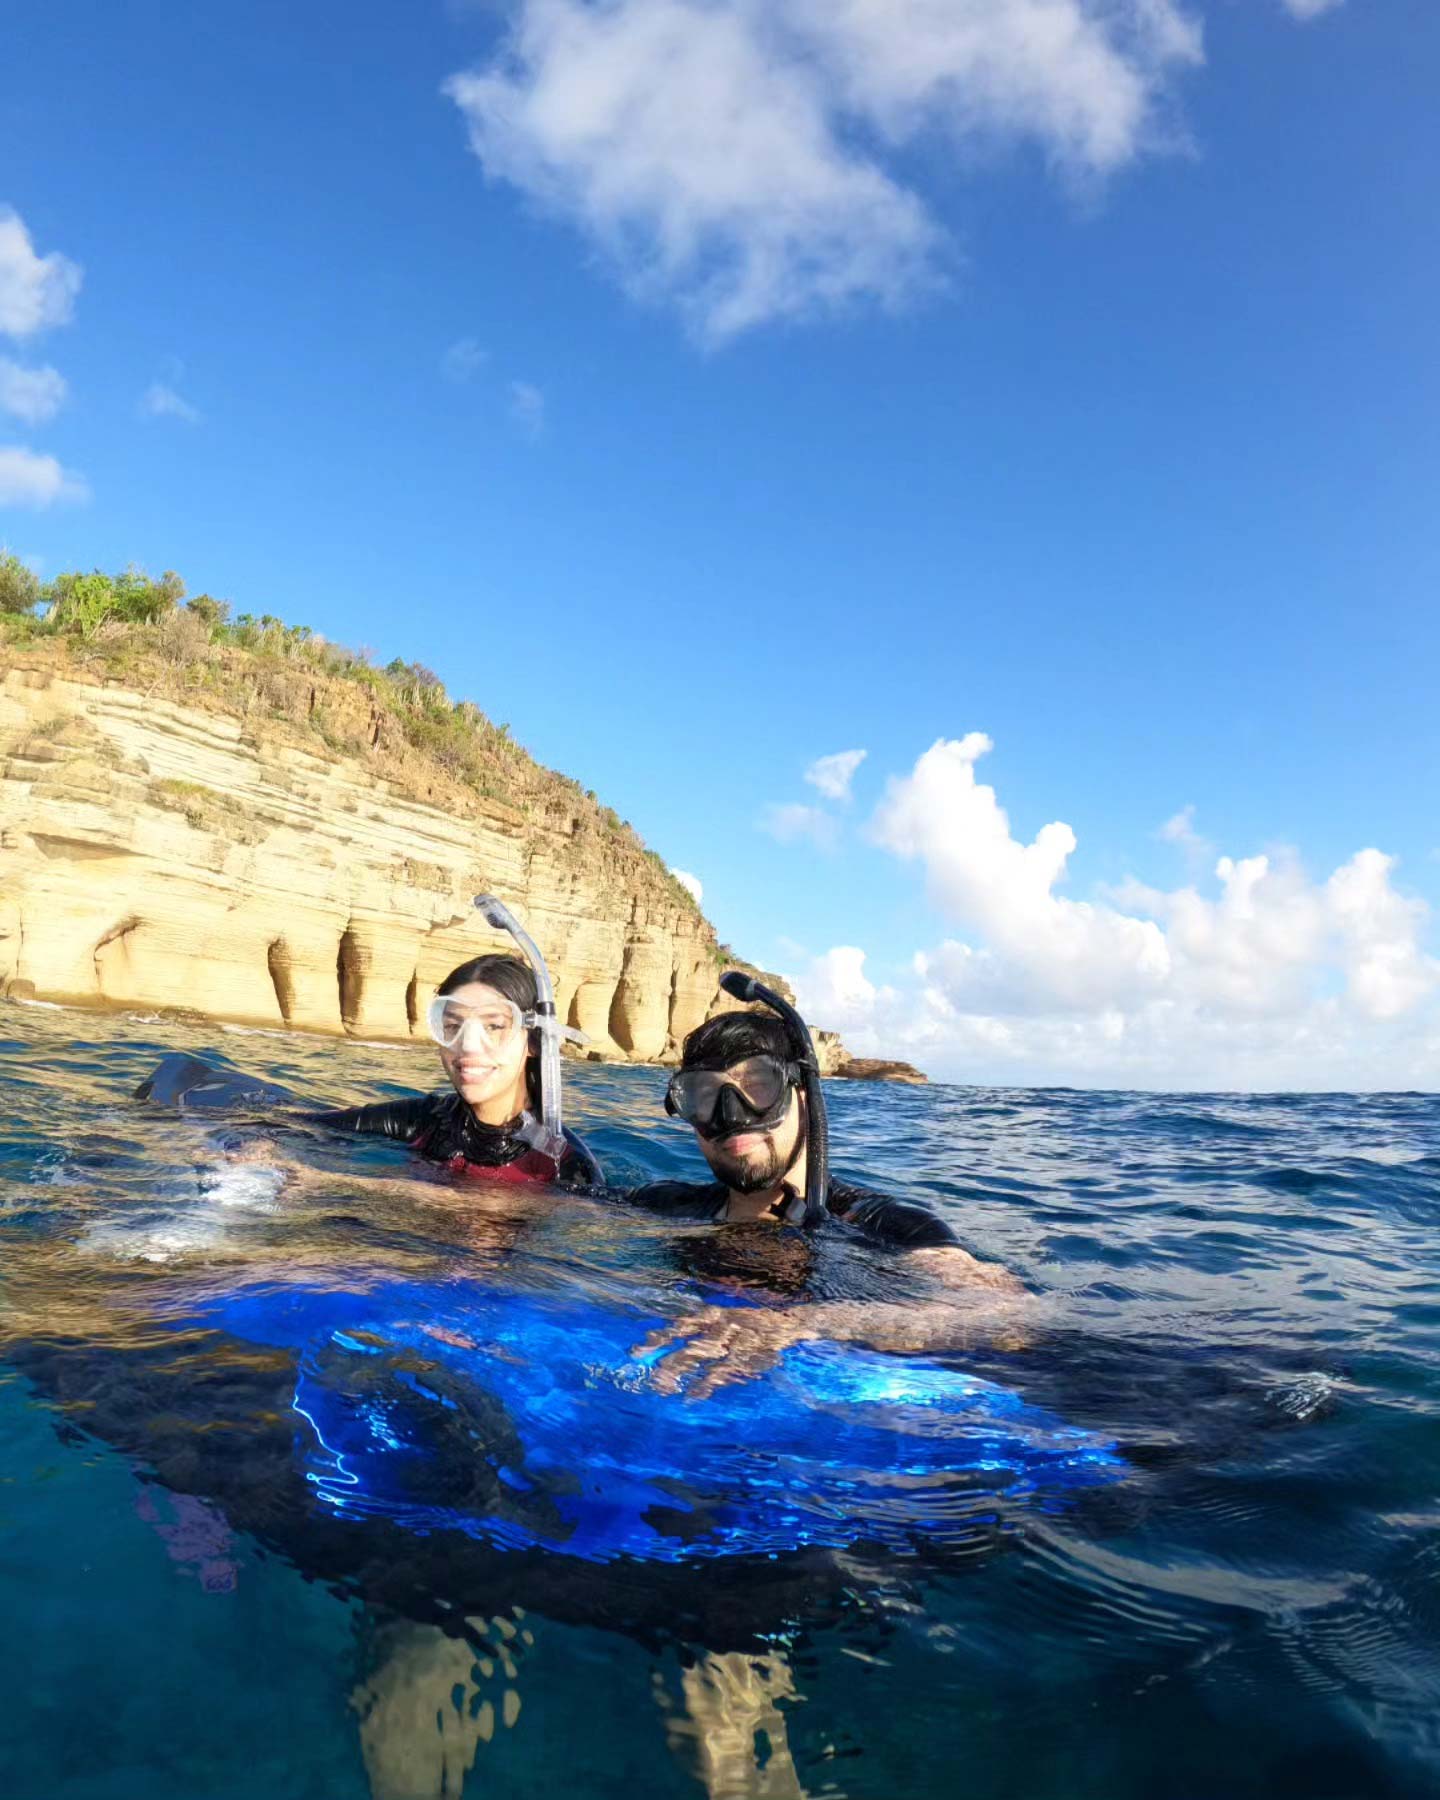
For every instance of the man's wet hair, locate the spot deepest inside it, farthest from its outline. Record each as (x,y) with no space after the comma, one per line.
(732,1037)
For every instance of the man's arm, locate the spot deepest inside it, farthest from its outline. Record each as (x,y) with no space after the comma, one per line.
(674,1199)
(929,1240)
(954,1267)
(717,1345)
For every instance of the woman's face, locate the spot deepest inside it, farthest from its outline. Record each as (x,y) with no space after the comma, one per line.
(485,1058)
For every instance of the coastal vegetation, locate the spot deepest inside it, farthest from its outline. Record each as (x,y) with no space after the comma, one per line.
(150,634)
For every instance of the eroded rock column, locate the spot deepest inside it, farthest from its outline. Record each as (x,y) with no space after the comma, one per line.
(640,1009)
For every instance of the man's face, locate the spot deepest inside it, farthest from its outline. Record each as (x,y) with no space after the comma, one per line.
(749,1159)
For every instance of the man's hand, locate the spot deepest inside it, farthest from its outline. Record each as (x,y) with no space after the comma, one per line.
(724,1343)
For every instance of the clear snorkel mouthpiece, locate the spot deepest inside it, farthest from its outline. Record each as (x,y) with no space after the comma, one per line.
(549,1137)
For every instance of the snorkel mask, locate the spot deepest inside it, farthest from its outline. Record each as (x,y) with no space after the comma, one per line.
(546,1133)
(454,1026)
(750,1095)
(755,1092)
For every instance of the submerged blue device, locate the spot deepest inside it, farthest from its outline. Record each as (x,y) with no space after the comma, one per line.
(526,1420)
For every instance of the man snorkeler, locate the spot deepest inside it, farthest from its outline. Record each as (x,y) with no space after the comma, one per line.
(748,1086)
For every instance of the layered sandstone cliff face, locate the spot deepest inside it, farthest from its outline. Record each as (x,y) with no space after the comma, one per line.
(156,854)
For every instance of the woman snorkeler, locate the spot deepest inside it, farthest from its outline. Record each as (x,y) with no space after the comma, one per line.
(493,1020)
(493,1123)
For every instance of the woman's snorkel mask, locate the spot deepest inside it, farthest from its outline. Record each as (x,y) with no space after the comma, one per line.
(754,1093)
(545,1134)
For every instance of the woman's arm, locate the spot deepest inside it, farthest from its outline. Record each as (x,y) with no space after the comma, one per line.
(402,1120)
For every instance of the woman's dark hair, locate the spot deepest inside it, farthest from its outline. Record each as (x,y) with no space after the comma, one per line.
(515,979)
(732,1036)
(508,975)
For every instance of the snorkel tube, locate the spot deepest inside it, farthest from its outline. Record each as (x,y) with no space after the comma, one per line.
(550,1138)
(817,1135)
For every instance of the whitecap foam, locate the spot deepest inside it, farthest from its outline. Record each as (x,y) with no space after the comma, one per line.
(180,1236)
(1304,1397)
(253,1187)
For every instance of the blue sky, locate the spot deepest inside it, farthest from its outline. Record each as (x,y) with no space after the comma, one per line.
(706,389)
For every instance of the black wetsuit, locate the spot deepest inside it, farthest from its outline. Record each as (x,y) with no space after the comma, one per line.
(442,1129)
(879,1217)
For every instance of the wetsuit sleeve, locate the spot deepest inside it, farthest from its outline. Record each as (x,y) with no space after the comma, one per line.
(905,1223)
(402,1120)
(676,1199)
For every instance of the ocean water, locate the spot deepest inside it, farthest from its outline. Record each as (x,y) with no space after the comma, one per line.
(1184,1542)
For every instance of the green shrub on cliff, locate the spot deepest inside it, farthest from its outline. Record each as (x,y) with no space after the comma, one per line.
(81,604)
(19,586)
(208,611)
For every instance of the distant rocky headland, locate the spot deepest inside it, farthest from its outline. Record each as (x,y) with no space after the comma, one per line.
(241,821)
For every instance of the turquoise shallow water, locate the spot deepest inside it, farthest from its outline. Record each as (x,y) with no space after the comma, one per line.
(1240,1293)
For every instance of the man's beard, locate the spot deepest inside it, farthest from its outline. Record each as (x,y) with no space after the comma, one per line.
(750,1175)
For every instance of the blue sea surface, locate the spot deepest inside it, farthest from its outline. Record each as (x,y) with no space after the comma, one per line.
(1178,1536)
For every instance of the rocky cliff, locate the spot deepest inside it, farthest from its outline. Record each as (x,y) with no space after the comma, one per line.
(171,852)
(204,830)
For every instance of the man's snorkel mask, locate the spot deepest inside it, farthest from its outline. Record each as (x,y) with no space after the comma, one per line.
(753,1094)
(545,1134)
(750,1094)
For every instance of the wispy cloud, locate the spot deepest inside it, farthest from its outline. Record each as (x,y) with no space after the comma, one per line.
(29,479)
(31,394)
(1271,979)
(464,360)
(833,774)
(36,291)
(793,823)
(1306,10)
(1179,829)
(160,401)
(527,409)
(747,162)
(691,884)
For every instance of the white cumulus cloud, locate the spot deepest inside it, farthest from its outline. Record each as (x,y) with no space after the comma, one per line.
(838,989)
(1056,950)
(160,401)
(744,160)
(31,394)
(833,774)
(30,479)
(35,291)
(1270,979)
(691,884)
(1386,972)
